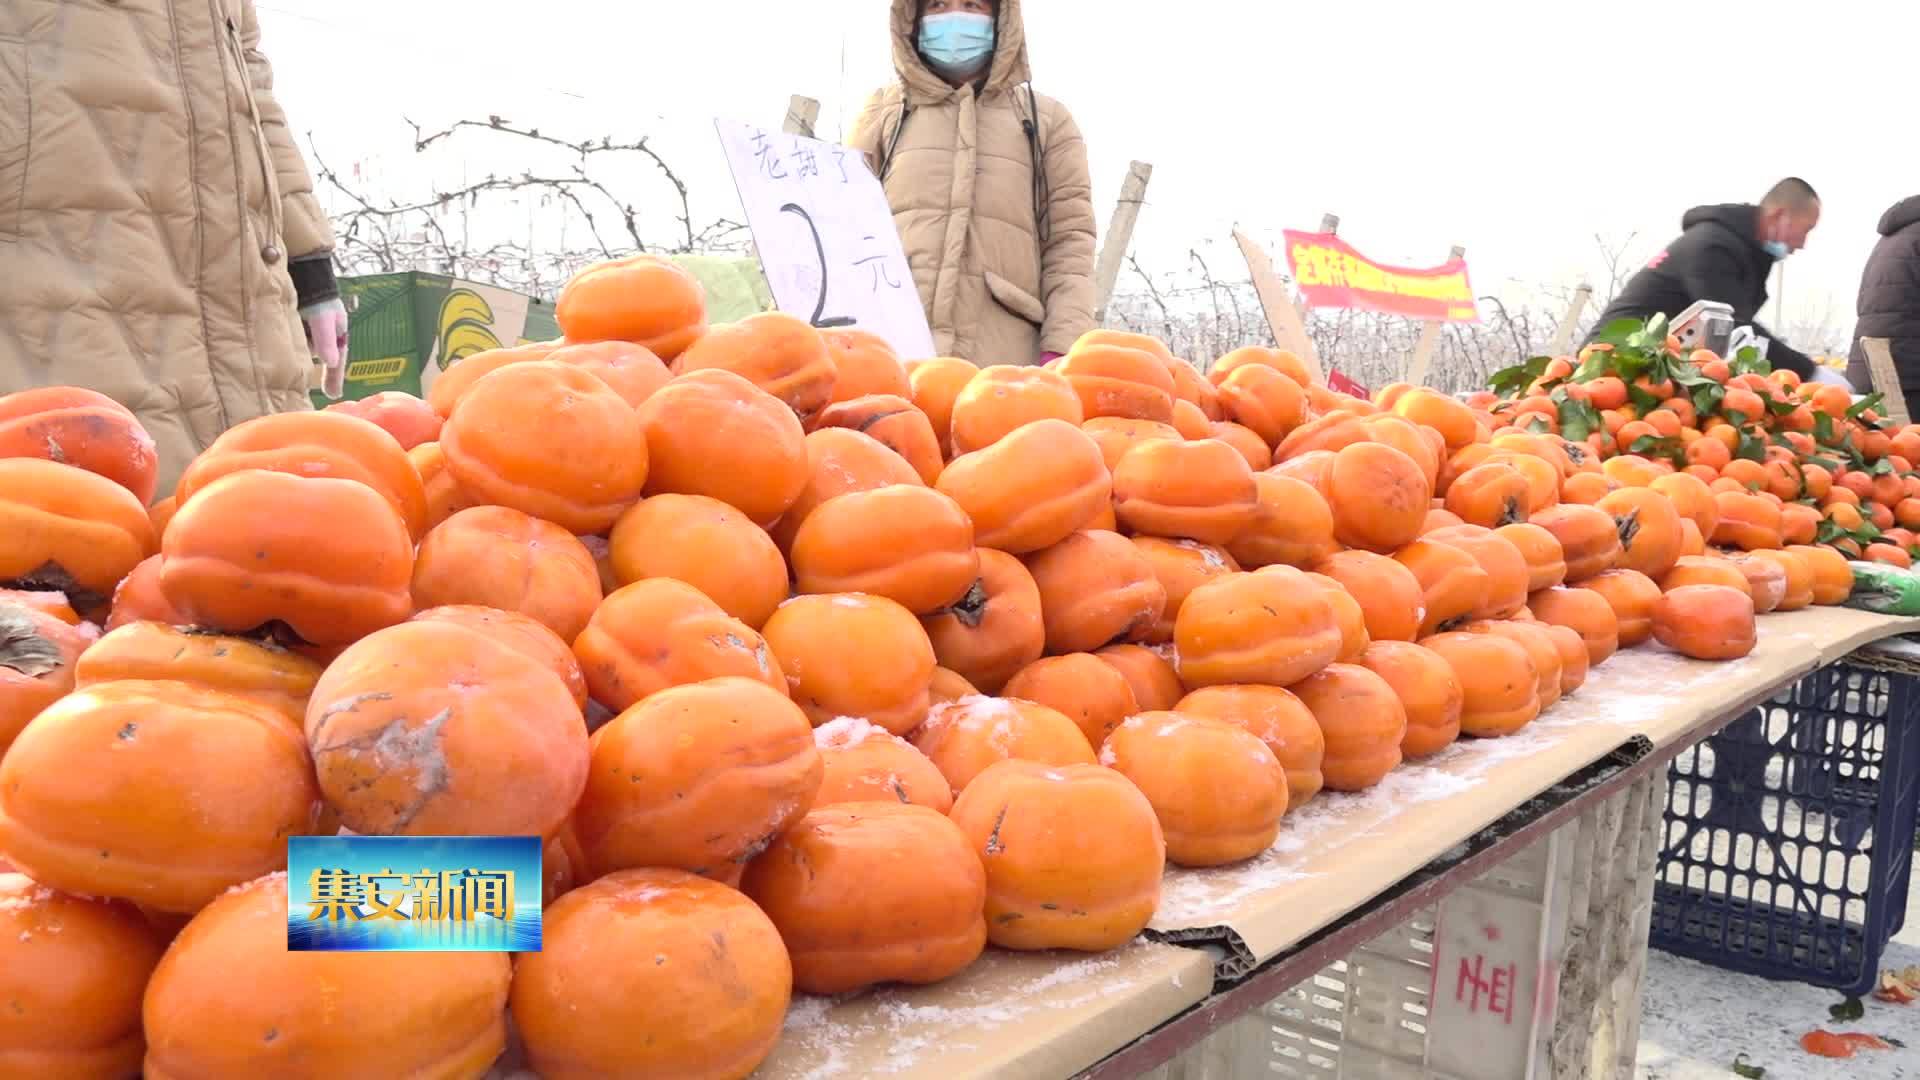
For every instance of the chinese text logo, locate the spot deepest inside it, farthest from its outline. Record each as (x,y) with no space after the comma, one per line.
(413,893)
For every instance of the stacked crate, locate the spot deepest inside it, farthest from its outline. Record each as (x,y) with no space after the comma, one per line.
(1383,1012)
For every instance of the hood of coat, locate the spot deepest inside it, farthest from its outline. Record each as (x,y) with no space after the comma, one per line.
(1900,215)
(1737,218)
(1009,68)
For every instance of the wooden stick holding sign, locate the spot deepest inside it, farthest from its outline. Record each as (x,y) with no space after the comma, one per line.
(1563,334)
(1429,337)
(1886,380)
(1289,329)
(802,114)
(825,235)
(1113,250)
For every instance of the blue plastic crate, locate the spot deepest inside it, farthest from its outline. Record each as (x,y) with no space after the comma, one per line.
(1787,843)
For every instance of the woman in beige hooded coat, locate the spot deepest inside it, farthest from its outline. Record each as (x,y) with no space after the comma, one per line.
(156,219)
(989,188)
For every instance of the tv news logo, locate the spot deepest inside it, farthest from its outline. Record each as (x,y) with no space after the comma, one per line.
(413,893)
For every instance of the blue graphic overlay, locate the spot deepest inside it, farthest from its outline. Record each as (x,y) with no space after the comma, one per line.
(413,893)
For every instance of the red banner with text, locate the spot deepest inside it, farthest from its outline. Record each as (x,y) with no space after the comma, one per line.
(1333,275)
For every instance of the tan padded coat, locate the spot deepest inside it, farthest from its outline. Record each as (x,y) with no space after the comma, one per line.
(151,196)
(960,179)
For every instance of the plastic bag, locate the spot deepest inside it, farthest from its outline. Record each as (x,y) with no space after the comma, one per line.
(1824,374)
(1886,589)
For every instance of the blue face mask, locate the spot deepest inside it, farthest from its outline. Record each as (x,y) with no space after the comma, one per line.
(956,43)
(1777,248)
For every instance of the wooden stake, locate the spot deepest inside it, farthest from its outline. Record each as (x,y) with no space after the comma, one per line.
(1886,380)
(1282,317)
(1563,335)
(802,113)
(1113,250)
(1429,338)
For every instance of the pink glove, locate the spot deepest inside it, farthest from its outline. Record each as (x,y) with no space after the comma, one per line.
(326,324)
(1049,357)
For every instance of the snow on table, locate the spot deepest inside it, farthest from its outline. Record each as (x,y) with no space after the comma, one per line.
(1010,1014)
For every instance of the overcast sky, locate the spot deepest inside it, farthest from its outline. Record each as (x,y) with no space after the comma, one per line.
(1519,130)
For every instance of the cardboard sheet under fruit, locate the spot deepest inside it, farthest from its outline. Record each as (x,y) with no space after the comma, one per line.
(1012,1016)
(1339,851)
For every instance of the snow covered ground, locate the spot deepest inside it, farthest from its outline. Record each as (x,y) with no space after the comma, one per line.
(1695,1019)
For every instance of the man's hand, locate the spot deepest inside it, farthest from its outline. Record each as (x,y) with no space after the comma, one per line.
(326,324)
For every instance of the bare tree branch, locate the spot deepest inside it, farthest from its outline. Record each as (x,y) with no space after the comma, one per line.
(1166,316)
(383,233)
(586,149)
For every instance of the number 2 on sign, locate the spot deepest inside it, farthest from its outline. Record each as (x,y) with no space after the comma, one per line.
(820,250)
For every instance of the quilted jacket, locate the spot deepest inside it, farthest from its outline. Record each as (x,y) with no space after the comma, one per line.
(1004,265)
(155,216)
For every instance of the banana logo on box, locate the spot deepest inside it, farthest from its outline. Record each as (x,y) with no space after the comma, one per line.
(466,327)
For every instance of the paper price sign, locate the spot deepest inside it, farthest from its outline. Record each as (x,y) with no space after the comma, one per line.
(826,236)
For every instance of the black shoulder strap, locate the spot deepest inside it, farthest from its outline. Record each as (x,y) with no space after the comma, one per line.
(899,128)
(1042,189)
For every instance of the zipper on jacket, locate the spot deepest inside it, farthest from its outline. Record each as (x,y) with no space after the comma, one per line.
(274,225)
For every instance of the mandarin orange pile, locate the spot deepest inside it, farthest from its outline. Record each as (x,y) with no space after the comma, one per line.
(1836,472)
(815,669)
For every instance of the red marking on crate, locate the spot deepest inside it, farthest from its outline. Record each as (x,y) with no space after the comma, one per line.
(1477,983)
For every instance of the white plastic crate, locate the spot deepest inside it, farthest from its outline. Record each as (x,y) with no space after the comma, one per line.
(1584,897)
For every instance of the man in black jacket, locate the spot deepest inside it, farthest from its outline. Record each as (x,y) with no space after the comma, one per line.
(1889,305)
(1725,253)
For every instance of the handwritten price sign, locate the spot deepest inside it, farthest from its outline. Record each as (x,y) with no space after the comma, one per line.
(826,235)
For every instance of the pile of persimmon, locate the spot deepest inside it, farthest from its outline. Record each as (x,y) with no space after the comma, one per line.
(850,666)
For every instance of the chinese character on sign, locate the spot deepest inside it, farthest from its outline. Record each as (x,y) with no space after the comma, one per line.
(1304,270)
(769,162)
(805,162)
(386,892)
(1317,265)
(463,895)
(1476,983)
(840,159)
(435,896)
(337,895)
(489,892)
(877,267)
